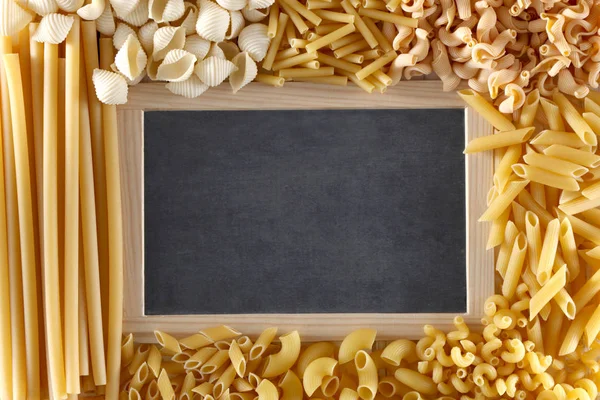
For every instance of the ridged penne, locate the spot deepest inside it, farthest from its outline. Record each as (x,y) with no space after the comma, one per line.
(213,21)
(245,73)
(166,39)
(254,40)
(53,28)
(131,58)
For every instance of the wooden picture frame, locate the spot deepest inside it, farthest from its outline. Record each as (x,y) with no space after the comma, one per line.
(406,95)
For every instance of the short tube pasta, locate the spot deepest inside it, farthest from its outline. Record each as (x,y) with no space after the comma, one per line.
(367,375)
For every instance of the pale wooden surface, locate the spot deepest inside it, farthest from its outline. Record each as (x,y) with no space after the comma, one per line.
(294,95)
(422,94)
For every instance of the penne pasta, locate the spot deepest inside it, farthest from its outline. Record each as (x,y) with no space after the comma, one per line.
(500,203)
(545,177)
(547,292)
(499,140)
(486,110)
(575,120)
(548,252)
(575,331)
(555,165)
(515,266)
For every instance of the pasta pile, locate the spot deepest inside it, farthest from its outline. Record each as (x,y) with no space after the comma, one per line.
(529,66)
(221,363)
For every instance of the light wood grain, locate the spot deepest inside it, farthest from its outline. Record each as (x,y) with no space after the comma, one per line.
(131,129)
(407,94)
(423,94)
(479,169)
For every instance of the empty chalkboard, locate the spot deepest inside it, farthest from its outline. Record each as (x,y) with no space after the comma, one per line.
(345,211)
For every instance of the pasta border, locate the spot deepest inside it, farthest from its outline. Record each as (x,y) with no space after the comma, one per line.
(406,95)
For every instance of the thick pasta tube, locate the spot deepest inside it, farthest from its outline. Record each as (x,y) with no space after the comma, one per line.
(416,381)
(499,140)
(282,361)
(398,350)
(316,371)
(361,339)
(267,390)
(367,375)
(291,386)
(237,359)
(311,353)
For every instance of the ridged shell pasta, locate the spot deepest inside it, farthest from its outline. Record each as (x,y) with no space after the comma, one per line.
(190,88)
(131,58)
(166,10)
(213,71)
(53,28)
(197,46)
(121,34)
(259,4)
(138,16)
(105,24)
(44,7)
(254,40)
(146,36)
(69,5)
(237,24)
(13,18)
(152,68)
(254,15)
(213,21)
(130,82)
(111,88)
(188,21)
(177,66)
(246,71)
(229,49)
(124,7)
(216,51)
(232,5)
(92,11)
(166,39)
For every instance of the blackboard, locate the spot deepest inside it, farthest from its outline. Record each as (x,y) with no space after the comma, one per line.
(322,211)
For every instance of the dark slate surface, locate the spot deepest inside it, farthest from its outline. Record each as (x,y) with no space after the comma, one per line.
(304,211)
